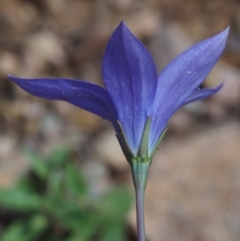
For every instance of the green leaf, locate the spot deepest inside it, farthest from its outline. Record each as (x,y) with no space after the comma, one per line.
(38,223)
(88,226)
(60,193)
(74,181)
(59,157)
(78,237)
(62,209)
(13,233)
(113,232)
(116,203)
(38,165)
(20,200)
(54,181)
(25,231)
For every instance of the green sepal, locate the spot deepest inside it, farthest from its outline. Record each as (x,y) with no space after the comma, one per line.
(156,146)
(124,144)
(141,161)
(143,149)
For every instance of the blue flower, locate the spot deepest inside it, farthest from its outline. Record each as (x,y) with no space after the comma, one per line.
(137,101)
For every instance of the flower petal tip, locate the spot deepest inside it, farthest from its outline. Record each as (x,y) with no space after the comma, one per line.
(226,32)
(123,29)
(122,24)
(222,36)
(14,79)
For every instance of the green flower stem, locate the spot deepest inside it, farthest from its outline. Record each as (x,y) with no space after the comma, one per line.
(140,213)
(140,173)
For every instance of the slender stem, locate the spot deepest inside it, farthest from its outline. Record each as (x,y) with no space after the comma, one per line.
(140,212)
(140,173)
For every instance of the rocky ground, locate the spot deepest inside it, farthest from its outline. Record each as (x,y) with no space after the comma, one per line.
(194,183)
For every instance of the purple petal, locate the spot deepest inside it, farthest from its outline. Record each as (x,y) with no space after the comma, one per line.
(182,77)
(202,94)
(130,78)
(85,95)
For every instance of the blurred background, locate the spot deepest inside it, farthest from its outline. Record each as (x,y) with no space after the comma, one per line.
(62,173)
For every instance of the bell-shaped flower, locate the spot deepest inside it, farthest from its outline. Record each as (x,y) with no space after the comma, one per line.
(137,101)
